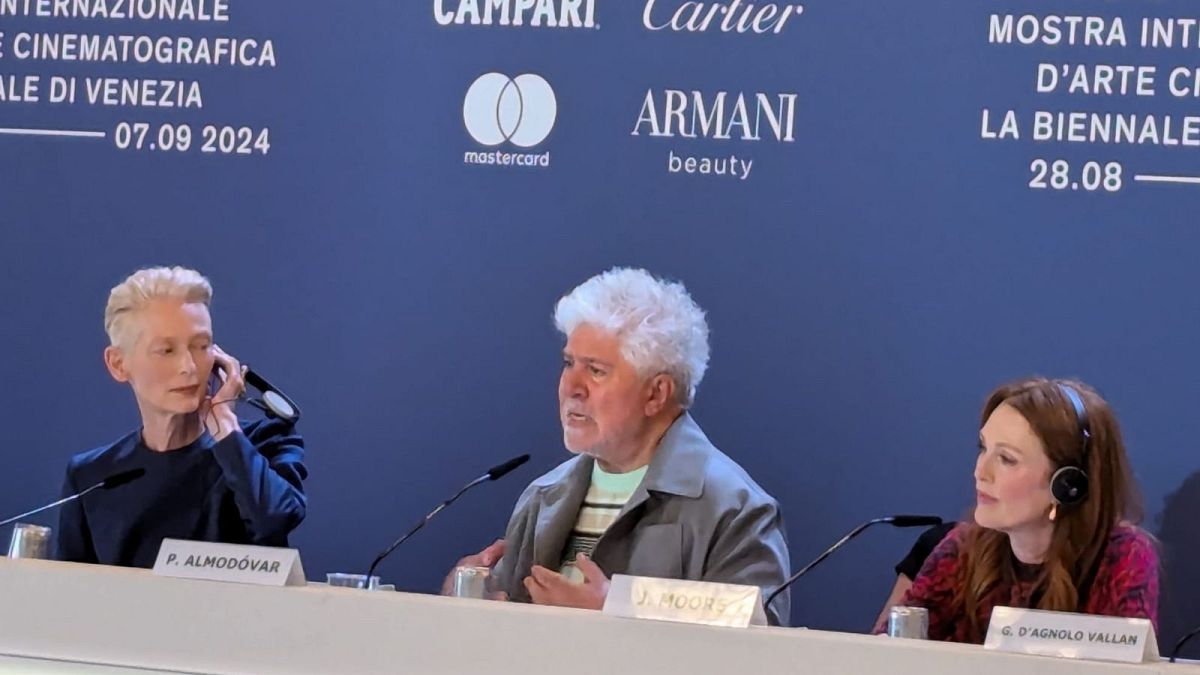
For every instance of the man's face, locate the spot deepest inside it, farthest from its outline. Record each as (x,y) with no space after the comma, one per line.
(602,401)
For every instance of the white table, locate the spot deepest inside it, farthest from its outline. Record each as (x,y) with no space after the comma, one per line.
(16,665)
(55,616)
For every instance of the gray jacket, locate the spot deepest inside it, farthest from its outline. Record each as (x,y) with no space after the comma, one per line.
(696,515)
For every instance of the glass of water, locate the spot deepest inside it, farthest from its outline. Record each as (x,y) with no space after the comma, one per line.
(30,541)
(343,580)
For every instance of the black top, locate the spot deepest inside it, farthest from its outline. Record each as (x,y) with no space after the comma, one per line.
(929,539)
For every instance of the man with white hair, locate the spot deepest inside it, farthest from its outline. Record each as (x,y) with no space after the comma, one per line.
(207,476)
(647,494)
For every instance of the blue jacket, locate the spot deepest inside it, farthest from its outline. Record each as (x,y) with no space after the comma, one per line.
(246,489)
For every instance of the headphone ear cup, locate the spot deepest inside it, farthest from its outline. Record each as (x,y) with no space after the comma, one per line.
(1069,485)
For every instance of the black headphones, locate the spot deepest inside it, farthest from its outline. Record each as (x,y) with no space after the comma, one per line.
(1069,485)
(273,402)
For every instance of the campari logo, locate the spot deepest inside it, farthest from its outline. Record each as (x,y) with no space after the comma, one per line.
(516,13)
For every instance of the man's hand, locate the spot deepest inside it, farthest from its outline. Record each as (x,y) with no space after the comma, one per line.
(488,557)
(217,411)
(547,587)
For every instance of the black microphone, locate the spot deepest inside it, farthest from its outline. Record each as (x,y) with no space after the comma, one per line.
(1183,641)
(894,521)
(493,473)
(114,481)
(497,472)
(119,479)
(912,521)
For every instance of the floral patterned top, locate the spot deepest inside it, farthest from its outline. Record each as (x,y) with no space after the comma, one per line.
(1126,584)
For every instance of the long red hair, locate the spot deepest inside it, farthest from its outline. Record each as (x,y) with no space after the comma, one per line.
(1080,531)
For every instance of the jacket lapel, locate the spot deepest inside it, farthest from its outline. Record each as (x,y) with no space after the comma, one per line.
(559,510)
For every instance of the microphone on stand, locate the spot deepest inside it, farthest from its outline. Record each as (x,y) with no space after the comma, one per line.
(114,481)
(494,473)
(1183,641)
(894,521)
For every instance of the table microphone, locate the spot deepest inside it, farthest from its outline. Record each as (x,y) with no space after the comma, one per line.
(894,521)
(494,473)
(1183,641)
(114,481)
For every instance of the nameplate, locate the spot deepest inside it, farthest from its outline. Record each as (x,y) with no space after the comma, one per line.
(1072,636)
(698,602)
(261,565)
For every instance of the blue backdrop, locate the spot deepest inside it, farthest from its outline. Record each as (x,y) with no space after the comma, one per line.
(882,266)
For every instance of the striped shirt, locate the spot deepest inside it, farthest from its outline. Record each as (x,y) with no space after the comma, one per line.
(605,498)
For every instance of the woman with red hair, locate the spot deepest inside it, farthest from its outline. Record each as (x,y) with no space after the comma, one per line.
(1054,522)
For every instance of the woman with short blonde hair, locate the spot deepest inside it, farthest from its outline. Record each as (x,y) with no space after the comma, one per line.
(204,474)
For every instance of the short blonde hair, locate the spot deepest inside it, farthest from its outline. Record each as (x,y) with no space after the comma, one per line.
(144,285)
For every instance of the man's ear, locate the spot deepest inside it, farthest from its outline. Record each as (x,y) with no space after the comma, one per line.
(661,393)
(114,360)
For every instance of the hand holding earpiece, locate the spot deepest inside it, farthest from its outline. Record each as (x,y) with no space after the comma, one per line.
(217,411)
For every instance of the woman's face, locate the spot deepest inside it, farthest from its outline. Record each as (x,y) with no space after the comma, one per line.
(170,358)
(1012,474)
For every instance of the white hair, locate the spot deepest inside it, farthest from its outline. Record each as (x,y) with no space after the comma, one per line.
(660,327)
(152,283)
